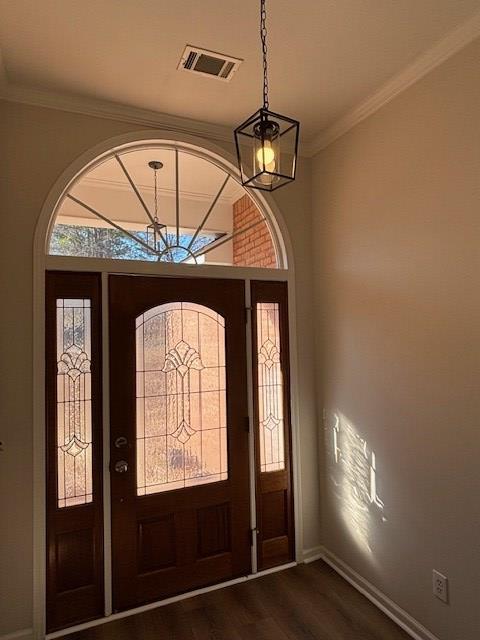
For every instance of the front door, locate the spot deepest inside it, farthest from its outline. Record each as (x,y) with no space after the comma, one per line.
(179,442)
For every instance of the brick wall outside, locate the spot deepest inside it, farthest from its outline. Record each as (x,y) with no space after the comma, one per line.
(255,247)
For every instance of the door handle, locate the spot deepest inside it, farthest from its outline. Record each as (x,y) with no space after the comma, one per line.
(121,466)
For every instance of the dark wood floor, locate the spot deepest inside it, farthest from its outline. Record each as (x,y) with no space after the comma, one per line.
(308,602)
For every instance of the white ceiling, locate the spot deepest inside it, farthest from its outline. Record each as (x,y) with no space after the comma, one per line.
(326,56)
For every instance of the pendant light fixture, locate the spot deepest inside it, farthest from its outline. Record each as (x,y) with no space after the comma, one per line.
(267,143)
(153,235)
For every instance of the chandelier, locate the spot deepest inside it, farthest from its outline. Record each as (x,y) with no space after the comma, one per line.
(154,235)
(267,142)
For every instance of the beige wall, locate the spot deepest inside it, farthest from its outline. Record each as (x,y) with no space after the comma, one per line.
(397,230)
(36,146)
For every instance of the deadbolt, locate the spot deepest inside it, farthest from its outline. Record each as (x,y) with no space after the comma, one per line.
(121,466)
(120,442)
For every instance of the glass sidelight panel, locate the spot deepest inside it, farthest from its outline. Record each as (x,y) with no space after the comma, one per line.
(181,429)
(74,402)
(73,464)
(274,498)
(270,388)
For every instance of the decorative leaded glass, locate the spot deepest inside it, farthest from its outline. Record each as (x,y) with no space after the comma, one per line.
(181,397)
(74,402)
(270,388)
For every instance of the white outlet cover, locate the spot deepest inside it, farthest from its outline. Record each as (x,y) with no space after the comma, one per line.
(440,586)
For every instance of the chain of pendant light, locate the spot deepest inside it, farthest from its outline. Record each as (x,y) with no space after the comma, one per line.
(263,38)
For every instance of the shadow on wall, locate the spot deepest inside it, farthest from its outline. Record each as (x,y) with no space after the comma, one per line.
(353,475)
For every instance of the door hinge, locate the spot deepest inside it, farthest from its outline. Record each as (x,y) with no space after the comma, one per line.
(252,533)
(247,424)
(247,314)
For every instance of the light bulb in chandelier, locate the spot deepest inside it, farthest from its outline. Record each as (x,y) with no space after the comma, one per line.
(266,156)
(266,151)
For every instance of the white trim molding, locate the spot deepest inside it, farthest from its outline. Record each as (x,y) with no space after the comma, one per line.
(113,111)
(379,599)
(453,42)
(95,107)
(312,554)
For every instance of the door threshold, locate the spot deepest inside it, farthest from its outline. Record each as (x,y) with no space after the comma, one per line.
(163,603)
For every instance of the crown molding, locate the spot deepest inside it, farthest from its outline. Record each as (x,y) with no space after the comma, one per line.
(113,111)
(421,66)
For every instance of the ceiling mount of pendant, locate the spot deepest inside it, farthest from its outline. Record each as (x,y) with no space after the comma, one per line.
(267,142)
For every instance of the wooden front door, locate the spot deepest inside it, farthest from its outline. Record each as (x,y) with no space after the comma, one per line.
(179,443)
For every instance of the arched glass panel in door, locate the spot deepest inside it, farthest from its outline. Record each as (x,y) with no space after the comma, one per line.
(181,429)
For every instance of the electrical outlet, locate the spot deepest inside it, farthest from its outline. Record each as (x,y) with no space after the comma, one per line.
(440,586)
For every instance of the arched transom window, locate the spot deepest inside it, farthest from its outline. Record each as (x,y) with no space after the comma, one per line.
(162,203)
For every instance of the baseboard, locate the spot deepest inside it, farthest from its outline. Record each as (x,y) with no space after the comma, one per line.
(379,599)
(312,554)
(22,634)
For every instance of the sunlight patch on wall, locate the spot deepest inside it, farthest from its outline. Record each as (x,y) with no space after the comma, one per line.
(354,478)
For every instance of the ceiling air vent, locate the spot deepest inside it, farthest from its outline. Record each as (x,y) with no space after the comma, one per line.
(208,63)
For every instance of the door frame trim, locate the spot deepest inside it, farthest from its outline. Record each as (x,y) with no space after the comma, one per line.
(109,267)
(107,494)
(43,262)
(251,426)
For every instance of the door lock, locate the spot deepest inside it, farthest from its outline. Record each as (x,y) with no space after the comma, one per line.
(121,466)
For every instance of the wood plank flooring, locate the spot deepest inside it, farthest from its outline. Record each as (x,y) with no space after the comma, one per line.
(307,602)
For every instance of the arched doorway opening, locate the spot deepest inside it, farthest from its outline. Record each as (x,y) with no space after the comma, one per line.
(207,233)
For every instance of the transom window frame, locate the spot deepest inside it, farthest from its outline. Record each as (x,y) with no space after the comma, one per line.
(191,257)
(42,262)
